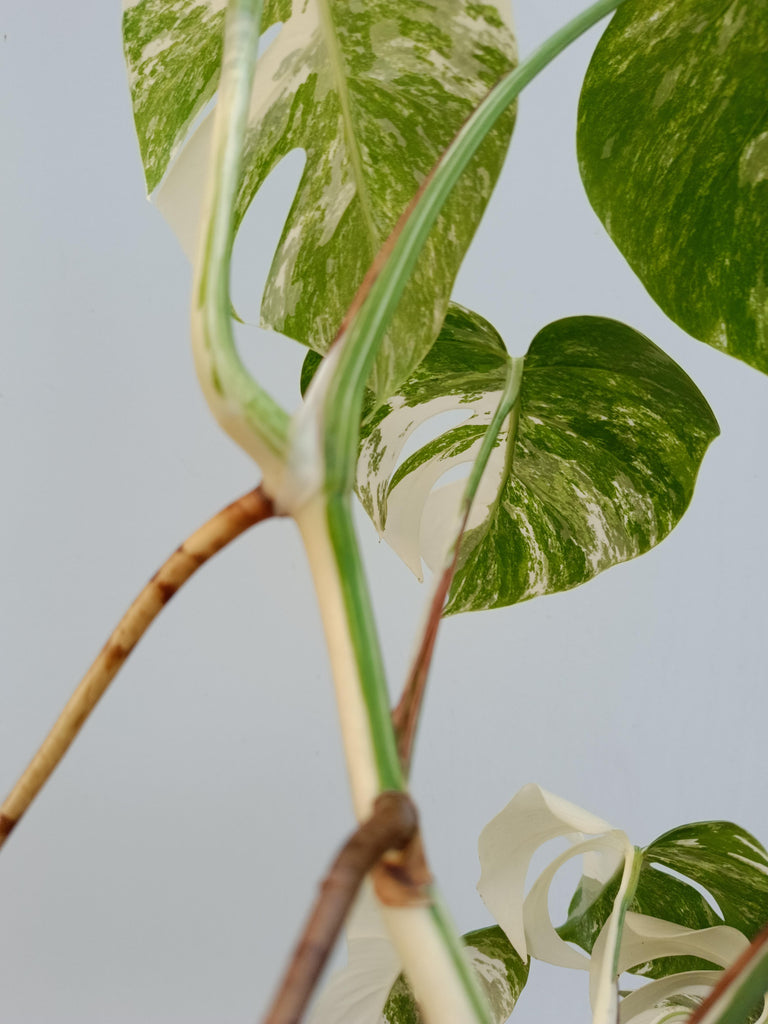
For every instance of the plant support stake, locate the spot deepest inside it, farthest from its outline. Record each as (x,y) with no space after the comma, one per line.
(219,531)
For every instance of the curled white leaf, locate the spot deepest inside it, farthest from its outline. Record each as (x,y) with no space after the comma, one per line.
(508,842)
(672,998)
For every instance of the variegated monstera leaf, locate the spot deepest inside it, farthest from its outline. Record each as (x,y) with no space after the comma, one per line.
(635,910)
(675,936)
(595,465)
(673,150)
(372,92)
(629,913)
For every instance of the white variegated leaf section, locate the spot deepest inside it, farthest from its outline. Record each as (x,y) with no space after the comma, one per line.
(493,977)
(421,522)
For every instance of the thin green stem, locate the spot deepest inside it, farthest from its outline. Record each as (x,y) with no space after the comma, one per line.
(627,893)
(509,402)
(343,400)
(242,407)
(605,999)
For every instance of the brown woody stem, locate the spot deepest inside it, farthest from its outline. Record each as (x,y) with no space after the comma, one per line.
(219,531)
(405,716)
(392,826)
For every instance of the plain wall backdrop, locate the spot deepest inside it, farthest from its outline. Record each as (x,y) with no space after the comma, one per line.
(163,873)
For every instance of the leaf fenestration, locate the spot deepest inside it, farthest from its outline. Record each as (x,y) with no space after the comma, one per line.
(728,861)
(723,858)
(596,466)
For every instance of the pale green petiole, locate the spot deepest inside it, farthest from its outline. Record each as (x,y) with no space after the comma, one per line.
(428,945)
(508,403)
(362,629)
(243,408)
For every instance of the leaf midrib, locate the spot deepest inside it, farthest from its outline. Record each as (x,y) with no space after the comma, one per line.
(336,61)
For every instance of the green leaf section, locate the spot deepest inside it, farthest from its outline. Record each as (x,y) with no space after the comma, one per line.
(729,862)
(501,972)
(724,859)
(673,150)
(173,53)
(595,466)
(372,93)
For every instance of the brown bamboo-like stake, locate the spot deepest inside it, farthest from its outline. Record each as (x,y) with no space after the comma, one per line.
(219,531)
(392,826)
(729,975)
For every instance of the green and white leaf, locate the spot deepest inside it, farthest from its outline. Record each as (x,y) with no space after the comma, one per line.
(501,972)
(372,93)
(370,989)
(657,895)
(732,866)
(609,915)
(728,862)
(173,53)
(673,150)
(506,846)
(595,466)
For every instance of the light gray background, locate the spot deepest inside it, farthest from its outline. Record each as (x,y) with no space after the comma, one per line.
(163,873)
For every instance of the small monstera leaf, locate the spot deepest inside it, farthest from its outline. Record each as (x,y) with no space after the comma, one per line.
(626,914)
(596,464)
(719,856)
(673,151)
(372,93)
(371,990)
(673,935)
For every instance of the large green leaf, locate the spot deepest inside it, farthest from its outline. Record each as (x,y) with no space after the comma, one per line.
(724,859)
(501,972)
(373,93)
(673,149)
(596,465)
